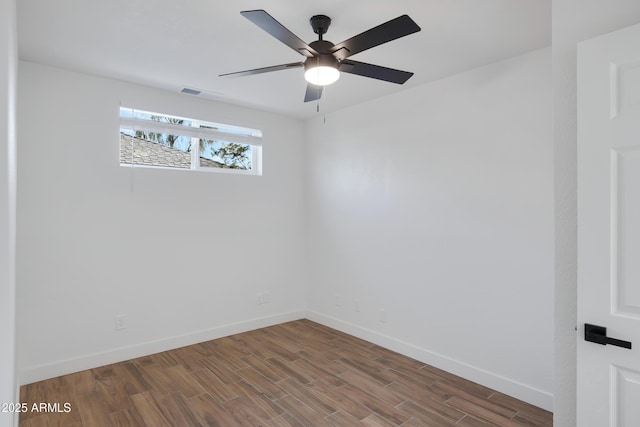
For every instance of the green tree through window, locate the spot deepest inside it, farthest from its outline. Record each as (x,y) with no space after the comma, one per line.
(232,155)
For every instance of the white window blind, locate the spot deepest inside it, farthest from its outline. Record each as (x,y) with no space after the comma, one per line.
(194,132)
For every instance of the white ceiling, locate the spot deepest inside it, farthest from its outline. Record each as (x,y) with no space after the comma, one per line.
(173,44)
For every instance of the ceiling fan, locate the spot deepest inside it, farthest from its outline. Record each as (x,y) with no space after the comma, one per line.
(326,60)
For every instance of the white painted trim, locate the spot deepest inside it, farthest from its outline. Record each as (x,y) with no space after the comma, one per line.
(32,374)
(505,385)
(253,172)
(16,418)
(534,396)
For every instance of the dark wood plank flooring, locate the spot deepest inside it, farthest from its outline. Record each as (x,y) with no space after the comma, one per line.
(294,374)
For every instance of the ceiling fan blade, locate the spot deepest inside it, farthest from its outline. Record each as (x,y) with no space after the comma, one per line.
(375,71)
(263,70)
(313,93)
(265,21)
(383,33)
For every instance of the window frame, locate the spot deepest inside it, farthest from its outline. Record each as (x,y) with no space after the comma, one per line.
(228,134)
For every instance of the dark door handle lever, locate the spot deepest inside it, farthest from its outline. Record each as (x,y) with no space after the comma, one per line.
(598,335)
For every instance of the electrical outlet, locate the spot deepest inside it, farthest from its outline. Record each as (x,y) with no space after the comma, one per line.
(382,315)
(263,297)
(356,305)
(337,300)
(121,322)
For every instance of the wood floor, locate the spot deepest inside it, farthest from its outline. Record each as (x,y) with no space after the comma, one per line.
(294,374)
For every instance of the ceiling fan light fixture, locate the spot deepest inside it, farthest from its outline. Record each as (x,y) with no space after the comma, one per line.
(321,70)
(322,75)
(324,59)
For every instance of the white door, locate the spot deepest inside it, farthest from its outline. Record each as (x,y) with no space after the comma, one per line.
(609,228)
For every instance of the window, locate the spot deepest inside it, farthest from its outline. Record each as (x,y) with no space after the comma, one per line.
(150,139)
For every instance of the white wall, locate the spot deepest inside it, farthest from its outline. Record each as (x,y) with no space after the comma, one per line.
(573,21)
(181,254)
(8,71)
(435,205)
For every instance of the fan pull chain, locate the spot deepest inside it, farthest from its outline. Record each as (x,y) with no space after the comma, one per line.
(318,87)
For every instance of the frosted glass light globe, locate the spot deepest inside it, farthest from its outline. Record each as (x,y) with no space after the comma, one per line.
(322,75)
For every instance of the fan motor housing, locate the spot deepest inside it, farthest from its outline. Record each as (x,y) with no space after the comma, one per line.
(322,46)
(322,60)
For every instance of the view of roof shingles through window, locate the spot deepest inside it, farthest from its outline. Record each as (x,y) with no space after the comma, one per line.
(149,153)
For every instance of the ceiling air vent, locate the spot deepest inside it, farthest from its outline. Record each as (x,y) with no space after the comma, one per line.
(202,93)
(191,91)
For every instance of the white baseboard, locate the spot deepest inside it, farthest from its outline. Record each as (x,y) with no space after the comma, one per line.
(505,385)
(16,417)
(497,382)
(32,374)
